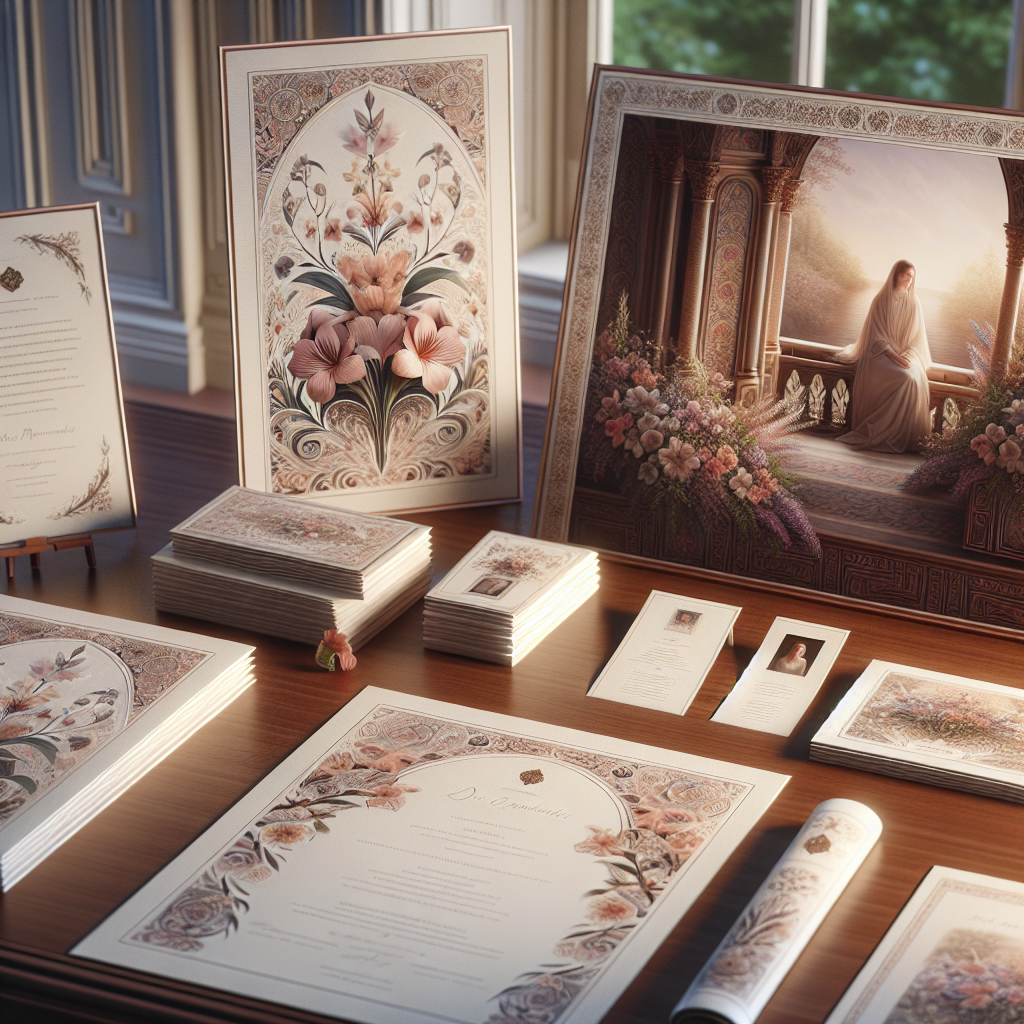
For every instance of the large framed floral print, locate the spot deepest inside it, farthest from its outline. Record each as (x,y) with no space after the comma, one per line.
(791,347)
(372,237)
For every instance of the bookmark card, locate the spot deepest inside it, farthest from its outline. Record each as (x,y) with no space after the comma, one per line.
(778,686)
(667,653)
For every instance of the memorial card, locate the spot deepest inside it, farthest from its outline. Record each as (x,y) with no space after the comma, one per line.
(955,954)
(371,219)
(64,466)
(787,672)
(667,653)
(417,860)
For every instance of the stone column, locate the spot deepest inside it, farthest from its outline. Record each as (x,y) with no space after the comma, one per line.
(751,356)
(1010,304)
(665,159)
(703,179)
(780,264)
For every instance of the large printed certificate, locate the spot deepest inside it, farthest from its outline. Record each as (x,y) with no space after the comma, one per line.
(417,861)
(63,449)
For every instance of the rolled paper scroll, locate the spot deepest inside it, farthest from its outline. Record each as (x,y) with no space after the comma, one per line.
(773,930)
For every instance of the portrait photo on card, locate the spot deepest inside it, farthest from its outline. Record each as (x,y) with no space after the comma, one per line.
(684,620)
(796,655)
(371,219)
(776,337)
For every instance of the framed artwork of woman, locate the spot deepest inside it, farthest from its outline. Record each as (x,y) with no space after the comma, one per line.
(890,409)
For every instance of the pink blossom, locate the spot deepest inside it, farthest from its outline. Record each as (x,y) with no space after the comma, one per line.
(332,233)
(984,449)
(617,367)
(377,339)
(616,429)
(325,356)
(645,377)
(390,797)
(648,472)
(652,440)
(995,434)
(610,907)
(678,460)
(704,454)
(740,482)
(1010,457)
(610,408)
(757,494)
(714,468)
(432,348)
(353,140)
(727,456)
(601,842)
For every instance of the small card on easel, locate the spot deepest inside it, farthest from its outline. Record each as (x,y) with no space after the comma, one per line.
(64,467)
(777,687)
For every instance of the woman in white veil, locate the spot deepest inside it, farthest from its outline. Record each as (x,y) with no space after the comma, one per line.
(890,410)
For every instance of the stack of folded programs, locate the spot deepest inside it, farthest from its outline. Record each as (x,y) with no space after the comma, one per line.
(292,568)
(88,705)
(929,727)
(506,595)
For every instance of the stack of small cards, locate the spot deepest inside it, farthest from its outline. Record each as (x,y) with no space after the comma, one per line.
(929,727)
(292,568)
(506,595)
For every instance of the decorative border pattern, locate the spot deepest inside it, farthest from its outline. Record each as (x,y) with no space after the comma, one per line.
(618,94)
(671,814)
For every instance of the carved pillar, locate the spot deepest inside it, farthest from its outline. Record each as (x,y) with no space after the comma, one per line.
(1010,304)
(703,179)
(750,358)
(780,264)
(665,160)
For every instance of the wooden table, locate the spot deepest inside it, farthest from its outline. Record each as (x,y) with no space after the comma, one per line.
(71,892)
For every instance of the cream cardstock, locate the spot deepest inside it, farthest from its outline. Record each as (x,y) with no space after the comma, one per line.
(787,672)
(667,653)
(754,958)
(63,449)
(417,860)
(955,953)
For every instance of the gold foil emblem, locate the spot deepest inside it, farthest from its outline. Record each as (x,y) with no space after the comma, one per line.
(531,777)
(818,844)
(11,279)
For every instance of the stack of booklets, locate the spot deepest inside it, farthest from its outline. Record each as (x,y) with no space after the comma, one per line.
(88,704)
(292,568)
(506,595)
(929,727)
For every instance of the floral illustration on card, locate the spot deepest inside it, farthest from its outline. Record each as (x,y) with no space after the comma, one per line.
(782,905)
(947,720)
(672,815)
(96,497)
(66,249)
(64,693)
(970,976)
(517,560)
(374,283)
(342,538)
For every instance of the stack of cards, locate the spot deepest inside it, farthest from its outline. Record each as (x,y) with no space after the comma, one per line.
(88,705)
(929,727)
(506,595)
(292,568)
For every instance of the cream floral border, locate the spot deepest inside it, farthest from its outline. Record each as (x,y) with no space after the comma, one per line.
(615,94)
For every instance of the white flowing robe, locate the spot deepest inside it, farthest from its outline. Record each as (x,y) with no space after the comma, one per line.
(890,408)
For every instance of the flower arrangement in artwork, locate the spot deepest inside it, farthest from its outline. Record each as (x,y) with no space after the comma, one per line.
(519,561)
(387,380)
(987,446)
(971,976)
(675,440)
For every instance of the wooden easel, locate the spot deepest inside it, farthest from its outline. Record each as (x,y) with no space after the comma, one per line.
(34,545)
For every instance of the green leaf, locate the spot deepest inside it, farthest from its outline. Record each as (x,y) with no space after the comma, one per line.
(325,282)
(24,781)
(427,276)
(335,302)
(47,749)
(391,229)
(270,859)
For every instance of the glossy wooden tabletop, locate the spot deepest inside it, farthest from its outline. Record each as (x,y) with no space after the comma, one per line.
(126,844)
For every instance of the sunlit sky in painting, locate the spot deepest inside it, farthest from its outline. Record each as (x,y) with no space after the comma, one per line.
(942,211)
